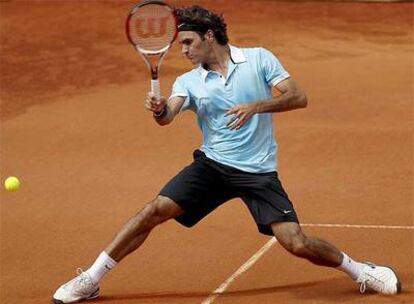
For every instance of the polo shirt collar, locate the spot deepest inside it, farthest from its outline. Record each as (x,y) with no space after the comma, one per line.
(236,55)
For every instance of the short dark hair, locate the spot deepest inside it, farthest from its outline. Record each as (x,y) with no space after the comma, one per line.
(204,18)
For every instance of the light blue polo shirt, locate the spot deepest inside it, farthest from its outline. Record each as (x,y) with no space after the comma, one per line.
(251,74)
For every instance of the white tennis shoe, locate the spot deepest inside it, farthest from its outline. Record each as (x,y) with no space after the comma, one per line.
(381,279)
(80,288)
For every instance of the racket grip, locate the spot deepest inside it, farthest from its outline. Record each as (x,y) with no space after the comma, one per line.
(155,88)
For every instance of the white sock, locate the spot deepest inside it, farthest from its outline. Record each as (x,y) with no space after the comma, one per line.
(103,264)
(349,266)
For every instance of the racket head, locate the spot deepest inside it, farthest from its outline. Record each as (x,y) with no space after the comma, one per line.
(151,27)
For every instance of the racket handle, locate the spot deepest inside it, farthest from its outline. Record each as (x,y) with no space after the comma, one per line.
(155,88)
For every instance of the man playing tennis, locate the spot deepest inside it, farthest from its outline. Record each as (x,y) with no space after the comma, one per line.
(230,91)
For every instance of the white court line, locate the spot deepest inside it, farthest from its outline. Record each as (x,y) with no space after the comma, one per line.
(250,262)
(359,226)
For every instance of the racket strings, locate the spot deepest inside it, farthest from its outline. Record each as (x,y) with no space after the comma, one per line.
(152,27)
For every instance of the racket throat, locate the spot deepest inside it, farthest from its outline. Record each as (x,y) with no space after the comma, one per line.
(154,72)
(153,62)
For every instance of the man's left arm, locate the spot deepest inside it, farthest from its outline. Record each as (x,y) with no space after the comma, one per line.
(292,97)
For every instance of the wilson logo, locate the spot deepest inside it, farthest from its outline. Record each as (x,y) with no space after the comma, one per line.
(151,27)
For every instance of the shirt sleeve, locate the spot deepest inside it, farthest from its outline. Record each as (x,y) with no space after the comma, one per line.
(179,89)
(271,68)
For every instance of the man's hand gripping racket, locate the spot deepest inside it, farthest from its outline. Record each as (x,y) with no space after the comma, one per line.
(151,28)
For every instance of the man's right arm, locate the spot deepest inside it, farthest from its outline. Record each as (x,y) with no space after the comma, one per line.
(164,111)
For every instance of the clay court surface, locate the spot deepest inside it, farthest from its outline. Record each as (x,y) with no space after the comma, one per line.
(74,130)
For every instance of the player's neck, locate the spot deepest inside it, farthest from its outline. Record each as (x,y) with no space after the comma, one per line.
(219,59)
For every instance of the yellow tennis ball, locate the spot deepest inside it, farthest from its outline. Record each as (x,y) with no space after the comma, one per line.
(12,184)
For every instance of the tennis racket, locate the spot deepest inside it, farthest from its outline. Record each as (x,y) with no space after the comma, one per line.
(151,28)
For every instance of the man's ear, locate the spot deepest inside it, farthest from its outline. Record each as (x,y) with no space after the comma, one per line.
(209,35)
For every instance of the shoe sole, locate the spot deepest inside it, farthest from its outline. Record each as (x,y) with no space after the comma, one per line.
(399,285)
(91,297)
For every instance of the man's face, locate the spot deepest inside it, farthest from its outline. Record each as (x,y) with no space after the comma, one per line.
(193,47)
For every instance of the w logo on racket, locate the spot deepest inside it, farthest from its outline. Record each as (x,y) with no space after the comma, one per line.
(151,27)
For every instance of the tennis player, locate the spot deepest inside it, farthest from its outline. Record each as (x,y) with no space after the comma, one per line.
(230,92)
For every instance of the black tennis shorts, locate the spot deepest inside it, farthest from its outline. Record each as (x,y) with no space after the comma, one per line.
(206,184)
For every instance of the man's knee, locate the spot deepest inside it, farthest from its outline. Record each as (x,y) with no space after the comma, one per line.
(297,246)
(160,210)
(291,237)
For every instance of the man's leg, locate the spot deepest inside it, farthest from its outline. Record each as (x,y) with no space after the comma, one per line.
(86,285)
(320,252)
(136,230)
(317,251)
